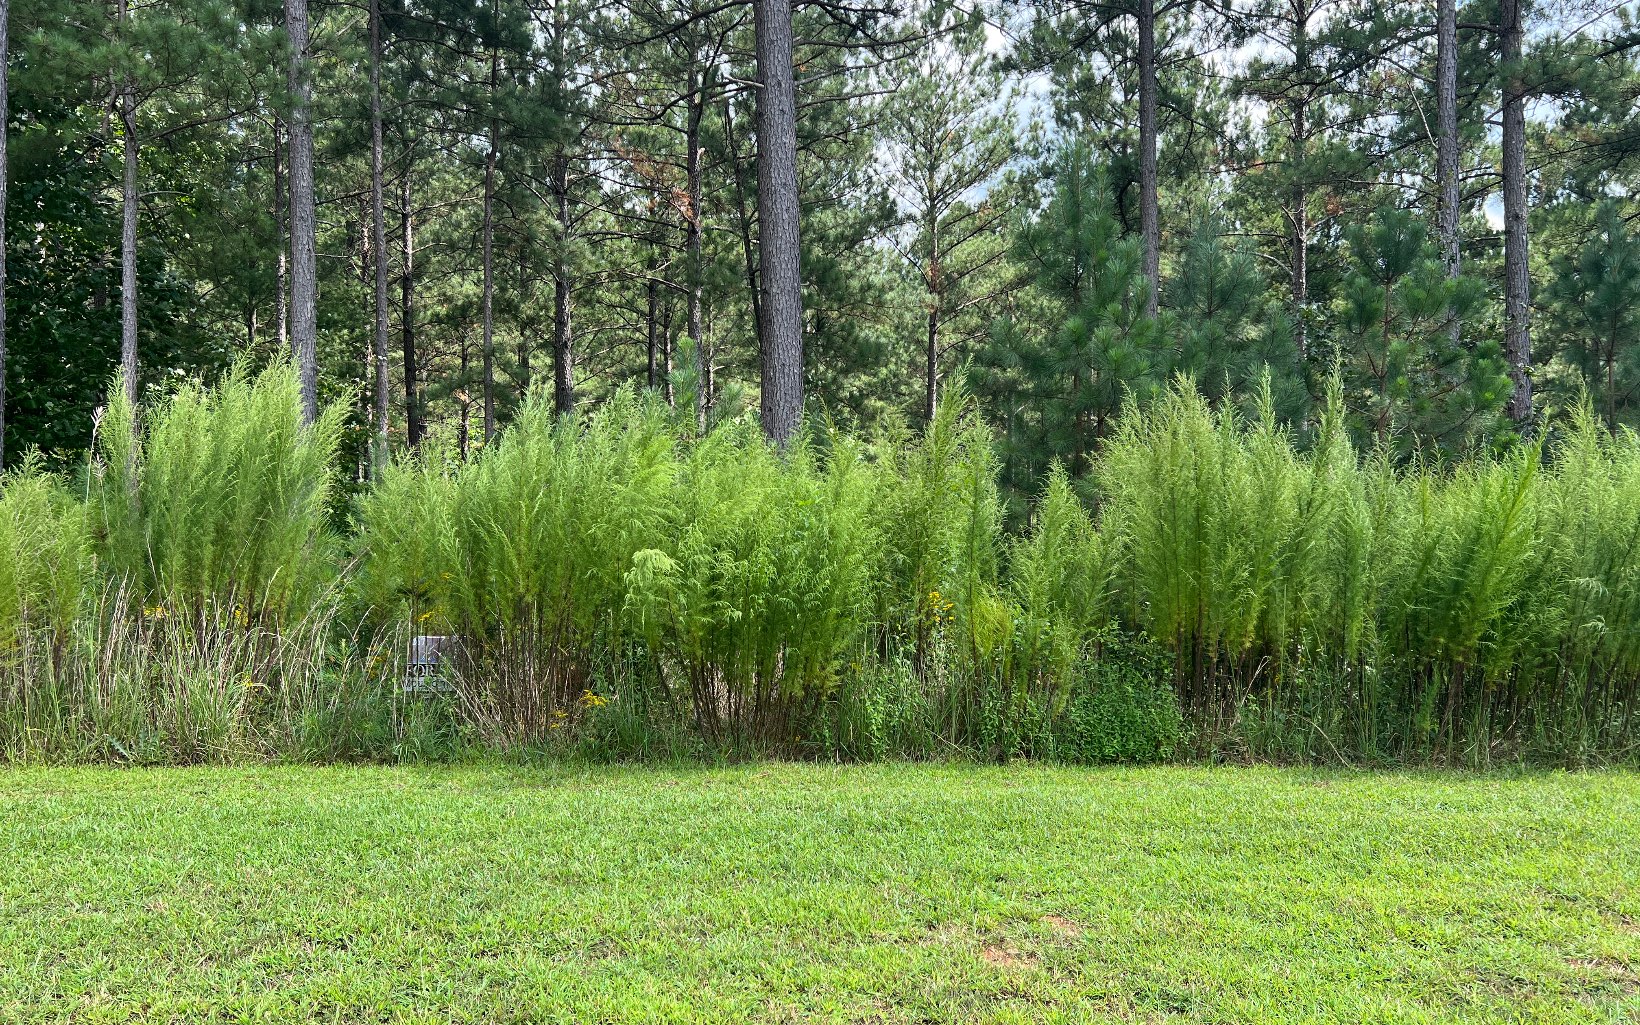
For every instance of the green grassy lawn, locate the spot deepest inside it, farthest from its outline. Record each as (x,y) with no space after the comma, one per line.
(816,893)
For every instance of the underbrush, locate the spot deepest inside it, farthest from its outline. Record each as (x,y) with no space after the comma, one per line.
(619,587)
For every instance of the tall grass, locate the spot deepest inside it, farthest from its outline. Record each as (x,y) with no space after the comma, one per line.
(523,553)
(624,584)
(185,608)
(763,588)
(1435,609)
(218,497)
(46,563)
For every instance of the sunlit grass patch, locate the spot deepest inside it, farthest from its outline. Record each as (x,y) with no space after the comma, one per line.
(817,893)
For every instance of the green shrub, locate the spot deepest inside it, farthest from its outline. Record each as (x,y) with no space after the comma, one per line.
(46,563)
(1059,584)
(185,611)
(1121,711)
(764,587)
(941,518)
(1221,534)
(881,710)
(621,585)
(1574,631)
(523,552)
(217,499)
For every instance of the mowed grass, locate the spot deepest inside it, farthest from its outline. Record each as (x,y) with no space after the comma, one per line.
(784,893)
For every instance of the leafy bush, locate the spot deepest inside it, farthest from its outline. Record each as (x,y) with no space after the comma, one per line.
(881,710)
(1121,712)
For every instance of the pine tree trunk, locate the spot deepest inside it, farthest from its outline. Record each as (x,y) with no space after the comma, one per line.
(413,427)
(1517,282)
(281,262)
(692,247)
(128,230)
(378,231)
(709,369)
(523,339)
(1300,199)
(1149,212)
(1301,258)
(563,337)
(304,295)
(666,360)
(488,299)
(5,172)
(779,254)
(1446,143)
(651,316)
(931,376)
(463,435)
(746,248)
(931,277)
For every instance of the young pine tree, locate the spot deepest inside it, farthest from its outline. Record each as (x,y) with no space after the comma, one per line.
(1057,379)
(1405,381)
(947,141)
(1229,335)
(1597,295)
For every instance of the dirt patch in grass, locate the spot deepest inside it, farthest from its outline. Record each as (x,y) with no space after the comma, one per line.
(1006,957)
(1606,974)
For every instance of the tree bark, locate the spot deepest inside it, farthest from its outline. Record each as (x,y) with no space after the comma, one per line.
(746,248)
(523,338)
(1301,261)
(563,332)
(931,377)
(1446,143)
(281,263)
(304,295)
(666,359)
(5,51)
(708,365)
(488,300)
(692,246)
(128,250)
(931,280)
(1149,212)
(779,253)
(463,435)
(413,427)
(128,231)
(654,338)
(1300,199)
(651,318)
(378,229)
(563,336)
(1517,282)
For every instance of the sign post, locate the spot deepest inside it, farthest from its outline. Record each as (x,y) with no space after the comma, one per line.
(424,673)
